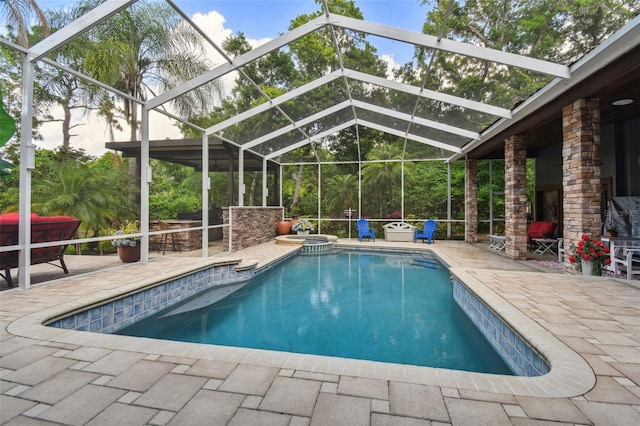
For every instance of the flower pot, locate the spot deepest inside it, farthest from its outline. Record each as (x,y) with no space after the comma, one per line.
(303,232)
(284,227)
(128,254)
(587,267)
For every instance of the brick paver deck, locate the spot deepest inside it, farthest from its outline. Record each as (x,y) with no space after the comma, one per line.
(589,328)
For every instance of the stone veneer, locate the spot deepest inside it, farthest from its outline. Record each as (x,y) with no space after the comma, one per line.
(580,171)
(515,192)
(250,225)
(471,201)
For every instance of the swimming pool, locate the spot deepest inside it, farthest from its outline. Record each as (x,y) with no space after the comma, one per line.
(388,307)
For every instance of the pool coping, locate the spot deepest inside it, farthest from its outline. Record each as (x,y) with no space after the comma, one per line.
(570,374)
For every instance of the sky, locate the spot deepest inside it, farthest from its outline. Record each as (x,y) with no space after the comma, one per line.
(260,21)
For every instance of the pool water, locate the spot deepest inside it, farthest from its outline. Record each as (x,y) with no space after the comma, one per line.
(363,305)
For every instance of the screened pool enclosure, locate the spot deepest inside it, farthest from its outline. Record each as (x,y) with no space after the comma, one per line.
(317,119)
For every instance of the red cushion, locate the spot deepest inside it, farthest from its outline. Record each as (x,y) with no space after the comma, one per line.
(14,218)
(540,229)
(49,219)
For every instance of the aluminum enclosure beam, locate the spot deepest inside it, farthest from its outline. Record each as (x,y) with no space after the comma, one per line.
(410,136)
(368,107)
(83,23)
(291,127)
(429,94)
(292,94)
(365,78)
(417,120)
(240,61)
(311,139)
(607,52)
(466,49)
(365,123)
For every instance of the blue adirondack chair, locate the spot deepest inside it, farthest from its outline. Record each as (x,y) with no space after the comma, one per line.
(428,230)
(365,231)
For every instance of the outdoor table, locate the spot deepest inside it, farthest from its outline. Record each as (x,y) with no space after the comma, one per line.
(545,245)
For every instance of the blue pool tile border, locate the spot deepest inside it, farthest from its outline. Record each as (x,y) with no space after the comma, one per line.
(114,315)
(117,314)
(521,357)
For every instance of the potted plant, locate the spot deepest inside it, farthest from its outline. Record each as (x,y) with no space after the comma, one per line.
(302,227)
(611,230)
(128,247)
(590,255)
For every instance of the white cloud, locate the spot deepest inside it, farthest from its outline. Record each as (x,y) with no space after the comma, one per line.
(391,64)
(93,133)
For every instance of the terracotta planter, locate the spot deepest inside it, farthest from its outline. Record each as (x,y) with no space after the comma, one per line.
(128,254)
(284,227)
(293,221)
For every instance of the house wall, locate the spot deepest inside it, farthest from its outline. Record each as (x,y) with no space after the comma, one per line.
(549,166)
(619,157)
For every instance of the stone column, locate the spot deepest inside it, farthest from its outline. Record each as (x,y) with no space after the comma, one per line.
(515,196)
(471,201)
(580,172)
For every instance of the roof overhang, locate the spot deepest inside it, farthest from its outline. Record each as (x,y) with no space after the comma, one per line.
(609,72)
(223,156)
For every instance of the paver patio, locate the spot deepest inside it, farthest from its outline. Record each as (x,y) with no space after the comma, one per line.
(53,376)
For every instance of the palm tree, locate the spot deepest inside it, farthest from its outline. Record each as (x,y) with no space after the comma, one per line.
(384,178)
(342,192)
(148,49)
(91,193)
(17,14)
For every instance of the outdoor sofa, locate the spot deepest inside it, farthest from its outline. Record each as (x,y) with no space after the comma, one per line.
(43,229)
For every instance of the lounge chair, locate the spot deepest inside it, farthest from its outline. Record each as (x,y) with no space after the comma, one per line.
(365,231)
(428,230)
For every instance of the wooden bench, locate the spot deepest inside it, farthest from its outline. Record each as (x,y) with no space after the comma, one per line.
(399,231)
(43,229)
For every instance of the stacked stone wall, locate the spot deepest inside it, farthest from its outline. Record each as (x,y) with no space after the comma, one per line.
(250,225)
(471,201)
(580,171)
(515,187)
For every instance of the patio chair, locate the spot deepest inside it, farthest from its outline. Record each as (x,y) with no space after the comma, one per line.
(625,258)
(365,231)
(428,230)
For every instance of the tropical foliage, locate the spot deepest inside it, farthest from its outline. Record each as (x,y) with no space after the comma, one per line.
(144,50)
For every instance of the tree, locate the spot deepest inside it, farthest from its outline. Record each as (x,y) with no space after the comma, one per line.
(383,177)
(147,49)
(559,31)
(69,182)
(18,14)
(341,192)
